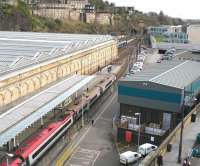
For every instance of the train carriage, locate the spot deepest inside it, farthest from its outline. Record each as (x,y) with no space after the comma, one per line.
(34,148)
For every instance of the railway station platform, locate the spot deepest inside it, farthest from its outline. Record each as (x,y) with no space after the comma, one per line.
(20,117)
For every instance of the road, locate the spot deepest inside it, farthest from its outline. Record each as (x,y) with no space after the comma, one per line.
(96,147)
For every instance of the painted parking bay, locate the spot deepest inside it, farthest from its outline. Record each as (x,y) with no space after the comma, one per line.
(83,157)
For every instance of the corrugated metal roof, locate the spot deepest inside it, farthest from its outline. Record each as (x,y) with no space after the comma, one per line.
(39,47)
(23,115)
(178,74)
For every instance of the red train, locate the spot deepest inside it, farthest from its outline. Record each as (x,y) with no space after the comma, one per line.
(34,148)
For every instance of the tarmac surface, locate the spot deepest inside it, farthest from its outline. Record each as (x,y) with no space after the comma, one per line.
(189,137)
(96,146)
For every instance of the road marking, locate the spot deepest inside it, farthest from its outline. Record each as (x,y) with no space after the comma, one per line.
(95,158)
(69,150)
(79,158)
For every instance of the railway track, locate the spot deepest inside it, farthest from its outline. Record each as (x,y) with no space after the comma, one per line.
(123,60)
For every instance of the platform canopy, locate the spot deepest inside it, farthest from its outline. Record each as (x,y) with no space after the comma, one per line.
(18,118)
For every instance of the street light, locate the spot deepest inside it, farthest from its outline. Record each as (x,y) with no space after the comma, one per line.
(139,115)
(182,126)
(82,111)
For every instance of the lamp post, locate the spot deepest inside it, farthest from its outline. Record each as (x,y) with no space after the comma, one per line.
(139,115)
(182,126)
(82,110)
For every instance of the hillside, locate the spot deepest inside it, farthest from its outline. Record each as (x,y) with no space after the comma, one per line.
(19,18)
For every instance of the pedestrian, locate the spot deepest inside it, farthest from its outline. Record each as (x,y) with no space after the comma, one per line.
(92,122)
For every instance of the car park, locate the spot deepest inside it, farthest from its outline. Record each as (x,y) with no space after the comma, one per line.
(141,58)
(146,148)
(129,157)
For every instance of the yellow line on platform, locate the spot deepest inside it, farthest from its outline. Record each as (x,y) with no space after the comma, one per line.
(65,155)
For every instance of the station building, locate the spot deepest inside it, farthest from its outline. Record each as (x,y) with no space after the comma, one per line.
(41,73)
(158,92)
(30,61)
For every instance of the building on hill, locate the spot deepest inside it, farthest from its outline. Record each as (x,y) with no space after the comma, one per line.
(103,18)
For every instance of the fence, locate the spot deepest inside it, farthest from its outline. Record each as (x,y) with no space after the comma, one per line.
(151,159)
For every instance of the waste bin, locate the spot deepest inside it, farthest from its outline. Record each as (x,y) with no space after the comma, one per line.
(193,118)
(169,147)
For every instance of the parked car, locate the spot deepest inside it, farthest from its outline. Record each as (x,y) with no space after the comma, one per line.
(135,70)
(138,65)
(146,148)
(158,61)
(167,57)
(129,157)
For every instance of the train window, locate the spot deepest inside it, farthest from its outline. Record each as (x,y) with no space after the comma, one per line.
(51,139)
(108,83)
(92,100)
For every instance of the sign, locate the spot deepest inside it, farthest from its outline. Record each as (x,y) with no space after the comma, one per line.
(128,136)
(152,139)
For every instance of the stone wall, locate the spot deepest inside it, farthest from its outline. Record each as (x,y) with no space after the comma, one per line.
(62,14)
(99,18)
(90,18)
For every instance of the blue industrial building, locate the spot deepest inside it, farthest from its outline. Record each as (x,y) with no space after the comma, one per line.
(159,91)
(158,30)
(176,37)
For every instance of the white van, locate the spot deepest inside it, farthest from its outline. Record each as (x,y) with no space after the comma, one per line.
(129,157)
(146,148)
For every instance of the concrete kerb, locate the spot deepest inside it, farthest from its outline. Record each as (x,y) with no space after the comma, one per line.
(151,159)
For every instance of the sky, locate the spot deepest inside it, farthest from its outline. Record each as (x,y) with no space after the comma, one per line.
(186,9)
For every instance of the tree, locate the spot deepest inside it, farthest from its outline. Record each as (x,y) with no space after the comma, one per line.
(161,17)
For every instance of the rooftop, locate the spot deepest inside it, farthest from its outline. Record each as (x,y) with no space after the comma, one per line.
(21,49)
(18,118)
(178,74)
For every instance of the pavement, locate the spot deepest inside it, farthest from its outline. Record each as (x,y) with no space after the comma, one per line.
(94,145)
(189,137)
